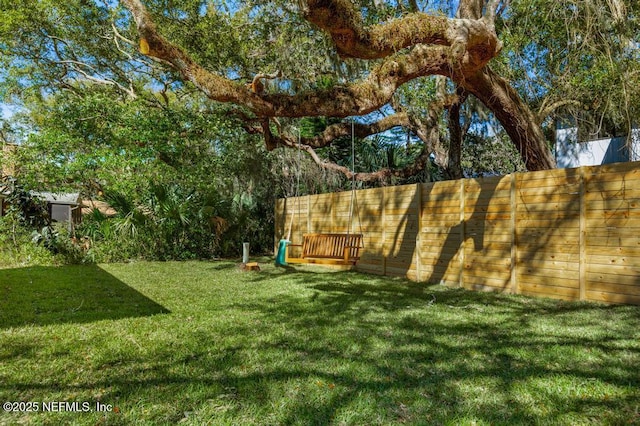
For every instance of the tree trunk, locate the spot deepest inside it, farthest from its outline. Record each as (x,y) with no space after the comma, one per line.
(454,160)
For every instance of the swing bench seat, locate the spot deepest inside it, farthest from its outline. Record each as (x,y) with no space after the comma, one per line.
(329,249)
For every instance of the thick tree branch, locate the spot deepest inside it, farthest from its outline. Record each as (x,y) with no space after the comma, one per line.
(466,46)
(308,145)
(330,133)
(416,167)
(153,44)
(491,12)
(514,115)
(413,6)
(471,40)
(360,130)
(470,9)
(455,48)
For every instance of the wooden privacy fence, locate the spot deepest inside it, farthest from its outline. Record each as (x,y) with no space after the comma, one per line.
(570,233)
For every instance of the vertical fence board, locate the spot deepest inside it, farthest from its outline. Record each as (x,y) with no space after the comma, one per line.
(612,257)
(582,243)
(513,204)
(463,235)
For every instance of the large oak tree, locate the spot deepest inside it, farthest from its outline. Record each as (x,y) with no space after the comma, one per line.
(408,47)
(272,62)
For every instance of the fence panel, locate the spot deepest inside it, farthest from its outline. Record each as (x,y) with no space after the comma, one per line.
(612,197)
(547,226)
(401,215)
(488,234)
(440,238)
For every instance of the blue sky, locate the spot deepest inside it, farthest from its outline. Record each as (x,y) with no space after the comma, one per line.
(6,111)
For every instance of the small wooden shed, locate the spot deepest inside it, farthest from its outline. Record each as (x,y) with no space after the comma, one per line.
(62,207)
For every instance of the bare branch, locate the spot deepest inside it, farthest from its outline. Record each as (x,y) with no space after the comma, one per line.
(418,165)
(330,133)
(547,108)
(413,6)
(503,6)
(78,66)
(118,36)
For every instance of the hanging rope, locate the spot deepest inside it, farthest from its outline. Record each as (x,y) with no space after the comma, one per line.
(329,248)
(353,177)
(297,192)
(353,204)
(354,196)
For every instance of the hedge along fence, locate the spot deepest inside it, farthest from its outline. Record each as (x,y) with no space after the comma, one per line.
(570,233)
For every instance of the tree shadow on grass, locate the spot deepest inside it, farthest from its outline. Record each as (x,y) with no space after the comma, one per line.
(303,273)
(444,342)
(223,266)
(70,294)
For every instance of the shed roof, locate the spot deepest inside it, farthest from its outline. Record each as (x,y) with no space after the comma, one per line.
(71,198)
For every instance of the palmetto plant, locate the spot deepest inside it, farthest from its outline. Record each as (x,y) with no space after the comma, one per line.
(129,218)
(171,205)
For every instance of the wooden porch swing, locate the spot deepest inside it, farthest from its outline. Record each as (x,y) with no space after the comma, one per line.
(334,249)
(329,248)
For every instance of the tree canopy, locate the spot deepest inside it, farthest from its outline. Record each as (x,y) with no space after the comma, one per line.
(438,69)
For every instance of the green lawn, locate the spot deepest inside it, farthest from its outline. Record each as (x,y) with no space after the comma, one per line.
(204,343)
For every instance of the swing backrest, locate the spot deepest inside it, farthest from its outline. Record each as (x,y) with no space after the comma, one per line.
(332,246)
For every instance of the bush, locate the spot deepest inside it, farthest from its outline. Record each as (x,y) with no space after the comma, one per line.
(59,241)
(17,248)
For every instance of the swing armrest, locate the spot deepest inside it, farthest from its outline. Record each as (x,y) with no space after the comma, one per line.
(287,257)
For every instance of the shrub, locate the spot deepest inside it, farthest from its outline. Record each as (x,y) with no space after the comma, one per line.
(17,248)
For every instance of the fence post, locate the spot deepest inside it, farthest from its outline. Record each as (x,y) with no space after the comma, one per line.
(514,234)
(583,238)
(309,213)
(384,230)
(463,236)
(418,198)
